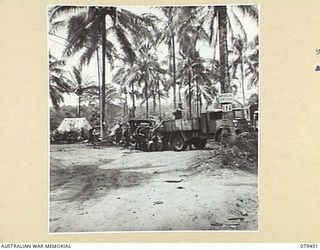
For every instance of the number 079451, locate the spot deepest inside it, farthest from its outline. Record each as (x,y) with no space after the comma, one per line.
(307,246)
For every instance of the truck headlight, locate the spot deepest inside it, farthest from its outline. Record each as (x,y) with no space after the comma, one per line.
(236,124)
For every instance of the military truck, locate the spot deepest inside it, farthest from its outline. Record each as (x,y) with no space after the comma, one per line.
(180,133)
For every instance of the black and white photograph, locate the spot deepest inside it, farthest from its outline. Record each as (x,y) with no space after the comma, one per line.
(153,118)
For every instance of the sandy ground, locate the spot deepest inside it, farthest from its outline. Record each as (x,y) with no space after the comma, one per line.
(115,189)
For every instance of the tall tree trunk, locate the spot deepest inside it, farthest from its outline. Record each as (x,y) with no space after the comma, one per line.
(242,82)
(146,97)
(197,85)
(159,98)
(133,99)
(99,84)
(103,84)
(223,49)
(174,74)
(224,74)
(154,95)
(125,105)
(79,106)
(190,95)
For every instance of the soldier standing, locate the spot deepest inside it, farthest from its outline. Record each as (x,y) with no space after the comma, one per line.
(126,136)
(178,113)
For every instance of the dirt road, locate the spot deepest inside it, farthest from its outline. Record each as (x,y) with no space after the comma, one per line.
(112,189)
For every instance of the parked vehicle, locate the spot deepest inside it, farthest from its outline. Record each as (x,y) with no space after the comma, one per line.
(136,122)
(180,133)
(141,133)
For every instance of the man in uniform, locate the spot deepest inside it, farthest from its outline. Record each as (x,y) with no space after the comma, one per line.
(142,133)
(126,136)
(178,113)
(93,123)
(118,134)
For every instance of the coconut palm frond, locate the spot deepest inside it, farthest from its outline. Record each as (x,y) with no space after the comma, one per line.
(250,10)
(124,43)
(58,85)
(76,34)
(56,26)
(135,25)
(56,97)
(238,23)
(63,10)
(55,65)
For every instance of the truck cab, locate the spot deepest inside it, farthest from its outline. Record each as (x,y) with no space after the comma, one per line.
(211,122)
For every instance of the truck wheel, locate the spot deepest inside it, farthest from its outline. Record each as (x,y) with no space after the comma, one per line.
(200,144)
(178,143)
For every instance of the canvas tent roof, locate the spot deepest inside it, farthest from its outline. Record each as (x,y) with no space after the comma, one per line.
(69,124)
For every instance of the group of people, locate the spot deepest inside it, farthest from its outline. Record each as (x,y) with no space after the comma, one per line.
(143,136)
(122,135)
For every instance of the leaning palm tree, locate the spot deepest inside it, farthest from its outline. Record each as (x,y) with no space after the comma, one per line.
(58,84)
(87,31)
(80,85)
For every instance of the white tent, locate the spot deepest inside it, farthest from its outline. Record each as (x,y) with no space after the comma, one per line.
(74,124)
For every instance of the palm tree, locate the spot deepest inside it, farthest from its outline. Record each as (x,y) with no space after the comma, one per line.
(87,31)
(198,82)
(167,35)
(179,30)
(224,68)
(246,61)
(145,70)
(220,23)
(190,67)
(252,63)
(92,96)
(58,84)
(157,92)
(80,85)
(130,78)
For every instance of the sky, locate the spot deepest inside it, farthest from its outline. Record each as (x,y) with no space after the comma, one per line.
(56,45)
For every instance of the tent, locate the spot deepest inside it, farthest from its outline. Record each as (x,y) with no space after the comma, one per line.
(74,124)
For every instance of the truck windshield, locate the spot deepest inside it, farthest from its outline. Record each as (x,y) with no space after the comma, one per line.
(238,113)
